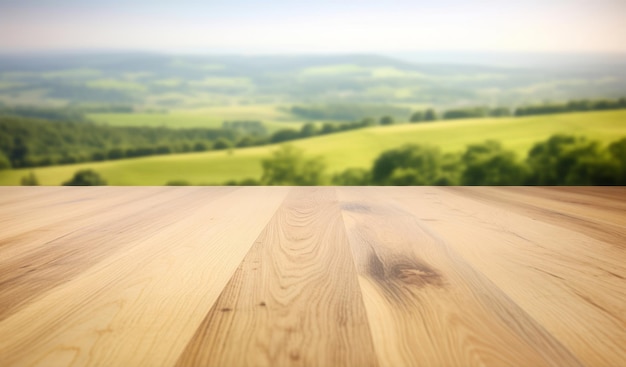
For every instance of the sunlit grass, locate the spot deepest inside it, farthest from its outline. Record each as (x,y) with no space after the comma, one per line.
(356,148)
(223,82)
(81,73)
(391,72)
(31,97)
(171,82)
(9,84)
(207,117)
(122,85)
(137,75)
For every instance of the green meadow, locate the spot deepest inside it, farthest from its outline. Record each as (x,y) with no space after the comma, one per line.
(207,117)
(357,148)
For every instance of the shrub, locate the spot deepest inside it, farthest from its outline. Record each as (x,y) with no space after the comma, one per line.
(86,177)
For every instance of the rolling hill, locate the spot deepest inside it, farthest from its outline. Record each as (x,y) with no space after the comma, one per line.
(356,148)
(174,82)
(208,117)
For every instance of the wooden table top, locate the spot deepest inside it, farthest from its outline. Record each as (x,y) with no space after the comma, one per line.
(312,276)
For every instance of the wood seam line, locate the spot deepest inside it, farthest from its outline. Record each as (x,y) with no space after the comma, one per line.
(598,228)
(617,251)
(26,273)
(454,254)
(233,298)
(231,277)
(136,206)
(86,215)
(482,223)
(354,264)
(58,199)
(14,191)
(231,280)
(483,300)
(112,307)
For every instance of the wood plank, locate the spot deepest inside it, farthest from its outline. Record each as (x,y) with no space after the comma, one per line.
(141,306)
(20,194)
(426,305)
(83,242)
(48,217)
(600,215)
(295,299)
(161,276)
(571,283)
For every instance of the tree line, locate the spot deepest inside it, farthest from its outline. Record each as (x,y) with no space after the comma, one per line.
(572,106)
(310,129)
(530,110)
(251,127)
(67,114)
(347,112)
(559,160)
(27,142)
(356,112)
(67,137)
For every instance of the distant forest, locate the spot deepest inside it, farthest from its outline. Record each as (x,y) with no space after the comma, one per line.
(149,80)
(348,111)
(28,142)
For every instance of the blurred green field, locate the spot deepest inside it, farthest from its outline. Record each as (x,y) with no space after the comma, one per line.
(116,84)
(208,117)
(356,148)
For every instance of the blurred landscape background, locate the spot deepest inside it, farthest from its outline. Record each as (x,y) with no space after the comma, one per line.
(287,93)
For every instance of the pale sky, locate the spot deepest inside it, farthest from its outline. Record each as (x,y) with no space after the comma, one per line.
(295,26)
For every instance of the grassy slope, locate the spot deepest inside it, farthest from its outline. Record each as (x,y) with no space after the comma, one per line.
(350,149)
(209,117)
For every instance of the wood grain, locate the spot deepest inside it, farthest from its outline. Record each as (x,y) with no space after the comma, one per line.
(58,253)
(288,276)
(141,306)
(571,283)
(294,300)
(426,305)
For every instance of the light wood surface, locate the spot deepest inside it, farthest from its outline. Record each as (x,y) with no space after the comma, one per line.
(312,276)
